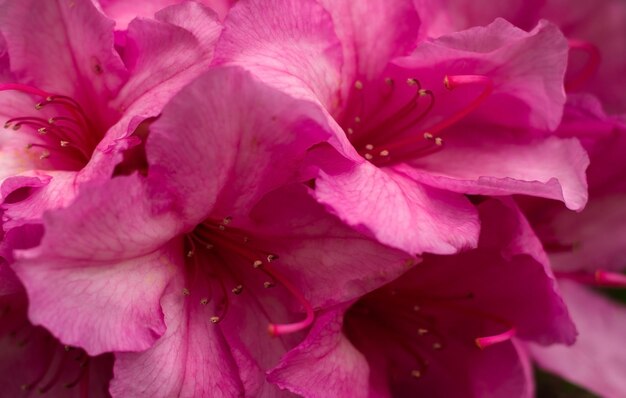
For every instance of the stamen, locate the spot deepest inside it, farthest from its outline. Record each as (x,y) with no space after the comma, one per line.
(590,68)
(483,342)
(450,82)
(278,329)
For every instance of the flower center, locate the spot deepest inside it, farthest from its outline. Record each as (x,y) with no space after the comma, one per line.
(59,128)
(387,131)
(414,323)
(212,235)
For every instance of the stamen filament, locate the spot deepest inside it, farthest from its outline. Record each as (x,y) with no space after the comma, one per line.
(483,342)
(285,328)
(599,278)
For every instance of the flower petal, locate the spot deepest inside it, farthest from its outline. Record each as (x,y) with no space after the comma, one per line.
(255,127)
(108,261)
(301,55)
(326,364)
(526,68)
(398,211)
(70,52)
(496,162)
(598,359)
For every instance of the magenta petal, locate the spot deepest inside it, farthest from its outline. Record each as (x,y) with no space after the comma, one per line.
(191,359)
(240,127)
(398,211)
(598,359)
(71,51)
(326,364)
(495,162)
(328,261)
(165,54)
(301,55)
(368,47)
(80,261)
(526,69)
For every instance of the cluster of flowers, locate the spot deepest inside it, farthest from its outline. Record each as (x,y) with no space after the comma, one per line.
(328,198)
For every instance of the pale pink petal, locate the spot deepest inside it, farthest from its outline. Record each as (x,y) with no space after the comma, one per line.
(398,211)
(526,69)
(71,51)
(97,277)
(301,55)
(250,130)
(369,42)
(326,364)
(497,162)
(598,359)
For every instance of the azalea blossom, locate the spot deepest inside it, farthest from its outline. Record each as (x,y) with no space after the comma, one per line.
(444,329)
(69,112)
(205,261)
(417,124)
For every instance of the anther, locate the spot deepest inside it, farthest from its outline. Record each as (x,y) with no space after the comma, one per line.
(368,156)
(422,92)
(439,141)
(214,319)
(44,155)
(428,136)
(369,147)
(271,257)
(190,253)
(416,373)
(237,289)
(227,220)
(437,346)
(42,130)
(268,284)
(384,152)
(16,127)
(38,105)
(204,301)
(7,125)
(221,227)
(422,331)
(412,82)
(257,263)
(416,308)
(358,85)
(357,119)
(350,129)
(65,143)
(186,292)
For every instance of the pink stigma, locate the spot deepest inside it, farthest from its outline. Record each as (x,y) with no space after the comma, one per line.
(593,62)
(286,328)
(483,342)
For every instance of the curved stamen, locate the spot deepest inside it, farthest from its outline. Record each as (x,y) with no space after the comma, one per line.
(24,89)
(483,342)
(450,82)
(285,328)
(593,62)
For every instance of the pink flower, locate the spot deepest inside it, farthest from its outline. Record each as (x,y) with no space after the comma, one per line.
(70,104)
(444,329)
(463,114)
(588,249)
(184,273)
(33,361)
